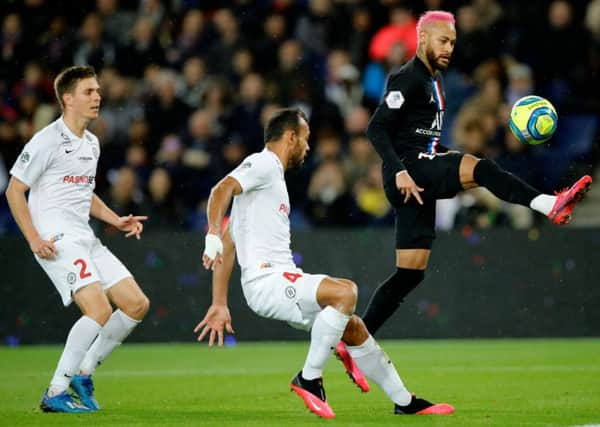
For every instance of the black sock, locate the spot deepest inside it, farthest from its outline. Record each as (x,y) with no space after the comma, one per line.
(388,296)
(503,184)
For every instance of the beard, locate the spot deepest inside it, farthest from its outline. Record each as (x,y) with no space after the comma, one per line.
(436,61)
(296,162)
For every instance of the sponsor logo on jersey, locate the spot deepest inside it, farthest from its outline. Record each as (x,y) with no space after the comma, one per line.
(266,265)
(428,132)
(285,209)
(246,165)
(79,179)
(85,158)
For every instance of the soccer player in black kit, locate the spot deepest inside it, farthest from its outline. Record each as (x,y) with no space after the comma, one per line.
(405,130)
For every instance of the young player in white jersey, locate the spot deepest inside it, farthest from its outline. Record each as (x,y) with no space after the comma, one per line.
(259,233)
(58,167)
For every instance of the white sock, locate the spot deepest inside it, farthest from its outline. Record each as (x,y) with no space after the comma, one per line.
(543,203)
(80,338)
(327,330)
(114,332)
(376,365)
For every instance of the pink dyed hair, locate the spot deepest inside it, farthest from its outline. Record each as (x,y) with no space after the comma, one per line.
(432,16)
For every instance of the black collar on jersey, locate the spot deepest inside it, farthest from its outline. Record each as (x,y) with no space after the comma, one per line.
(419,63)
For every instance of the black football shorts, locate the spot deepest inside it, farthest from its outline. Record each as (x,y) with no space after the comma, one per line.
(438,175)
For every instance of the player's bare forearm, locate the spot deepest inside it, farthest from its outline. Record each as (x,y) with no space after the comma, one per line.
(222,271)
(101,211)
(220,198)
(15,195)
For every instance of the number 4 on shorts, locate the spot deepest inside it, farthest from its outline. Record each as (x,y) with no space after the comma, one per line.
(292,277)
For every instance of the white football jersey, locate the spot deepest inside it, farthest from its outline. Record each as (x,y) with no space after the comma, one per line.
(259,223)
(60,169)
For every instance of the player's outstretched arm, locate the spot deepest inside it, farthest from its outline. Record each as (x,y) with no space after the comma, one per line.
(130,224)
(218,317)
(15,195)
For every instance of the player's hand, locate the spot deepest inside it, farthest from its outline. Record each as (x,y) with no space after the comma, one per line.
(43,248)
(407,187)
(132,225)
(213,251)
(217,318)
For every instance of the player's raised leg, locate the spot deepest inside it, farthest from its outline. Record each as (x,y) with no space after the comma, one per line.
(377,366)
(96,311)
(513,189)
(132,306)
(339,300)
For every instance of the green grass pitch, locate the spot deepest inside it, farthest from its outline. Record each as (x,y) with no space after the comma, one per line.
(490,382)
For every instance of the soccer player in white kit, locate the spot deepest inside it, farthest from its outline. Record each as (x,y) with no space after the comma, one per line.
(58,167)
(259,233)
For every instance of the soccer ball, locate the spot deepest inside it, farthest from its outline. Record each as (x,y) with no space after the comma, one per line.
(533,120)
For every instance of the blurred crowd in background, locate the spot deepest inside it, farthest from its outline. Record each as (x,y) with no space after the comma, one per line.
(187,86)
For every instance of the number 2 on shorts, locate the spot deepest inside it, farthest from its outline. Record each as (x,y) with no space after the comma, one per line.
(292,277)
(83,273)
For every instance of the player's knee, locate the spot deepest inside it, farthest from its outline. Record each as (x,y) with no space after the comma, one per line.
(348,295)
(484,170)
(356,332)
(100,314)
(137,307)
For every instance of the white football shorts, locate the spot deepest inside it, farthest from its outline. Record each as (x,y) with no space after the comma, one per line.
(290,296)
(81,262)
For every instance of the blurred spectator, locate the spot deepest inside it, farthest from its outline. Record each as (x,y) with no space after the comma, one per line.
(162,208)
(370,197)
(356,121)
(329,200)
(117,22)
(319,29)
(221,52)
(57,44)
(125,195)
(520,83)
(13,48)
(559,57)
(92,47)
(246,114)
(473,45)
(359,36)
(375,75)
(195,82)
(142,49)
(274,33)
(191,41)
(165,112)
(343,82)
(401,29)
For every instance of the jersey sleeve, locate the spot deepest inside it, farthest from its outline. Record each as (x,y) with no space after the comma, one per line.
(400,87)
(254,173)
(33,161)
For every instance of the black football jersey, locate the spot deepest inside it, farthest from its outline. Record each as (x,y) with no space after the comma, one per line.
(409,117)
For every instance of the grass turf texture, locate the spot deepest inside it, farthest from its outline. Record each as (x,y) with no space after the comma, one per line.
(490,382)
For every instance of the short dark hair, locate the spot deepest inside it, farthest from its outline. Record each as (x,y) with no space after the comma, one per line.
(67,79)
(282,120)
